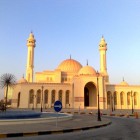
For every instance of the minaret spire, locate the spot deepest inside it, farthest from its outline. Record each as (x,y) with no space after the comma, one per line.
(30,57)
(87,62)
(103,63)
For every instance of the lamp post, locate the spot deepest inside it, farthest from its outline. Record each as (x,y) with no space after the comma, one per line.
(99,114)
(42,99)
(132,95)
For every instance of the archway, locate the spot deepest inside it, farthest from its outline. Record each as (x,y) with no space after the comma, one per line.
(18,103)
(86,96)
(90,95)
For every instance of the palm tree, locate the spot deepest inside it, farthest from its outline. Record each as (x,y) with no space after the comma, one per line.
(7,80)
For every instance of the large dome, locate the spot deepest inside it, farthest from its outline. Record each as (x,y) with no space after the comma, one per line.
(87,70)
(70,65)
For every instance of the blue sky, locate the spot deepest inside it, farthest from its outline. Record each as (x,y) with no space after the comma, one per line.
(64,27)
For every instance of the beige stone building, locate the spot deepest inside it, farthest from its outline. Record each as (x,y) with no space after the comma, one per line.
(73,84)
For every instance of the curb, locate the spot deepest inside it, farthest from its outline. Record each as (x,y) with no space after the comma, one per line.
(35,120)
(8,135)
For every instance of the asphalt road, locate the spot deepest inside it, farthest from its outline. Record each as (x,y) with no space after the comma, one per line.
(120,129)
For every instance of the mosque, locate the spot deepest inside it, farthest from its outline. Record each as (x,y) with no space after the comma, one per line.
(73,84)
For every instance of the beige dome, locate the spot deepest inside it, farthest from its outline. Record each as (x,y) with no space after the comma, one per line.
(22,80)
(70,65)
(87,70)
(124,83)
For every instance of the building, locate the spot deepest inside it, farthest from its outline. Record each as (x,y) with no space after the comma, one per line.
(73,84)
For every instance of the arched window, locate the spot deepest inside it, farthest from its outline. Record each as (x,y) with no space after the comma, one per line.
(67,96)
(108,98)
(135,98)
(50,78)
(62,79)
(53,96)
(60,95)
(115,98)
(122,98)
(31,96)
(46,96)
(128,98)
(38,96)
(18,100)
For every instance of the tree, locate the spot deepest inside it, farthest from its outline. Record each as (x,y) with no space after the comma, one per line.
(7,80)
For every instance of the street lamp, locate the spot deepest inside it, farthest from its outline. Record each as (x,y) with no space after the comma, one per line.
(42,99)
(132,102)
(99,115)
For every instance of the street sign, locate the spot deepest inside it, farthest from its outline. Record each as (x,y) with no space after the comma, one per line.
(57,106)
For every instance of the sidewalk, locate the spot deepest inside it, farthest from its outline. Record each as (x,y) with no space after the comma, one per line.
(78,123)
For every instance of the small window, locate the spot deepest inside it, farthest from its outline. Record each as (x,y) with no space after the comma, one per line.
(108,98)
(53,96)
(31,96)
(115,98)
(38,96)
(46,96)
(60,95)
(122,98)
(135,98)
(67,97)
(128,98)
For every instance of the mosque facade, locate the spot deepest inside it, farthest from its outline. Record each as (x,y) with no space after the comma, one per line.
(76,86)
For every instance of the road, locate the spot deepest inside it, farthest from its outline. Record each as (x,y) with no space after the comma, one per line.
(120,129)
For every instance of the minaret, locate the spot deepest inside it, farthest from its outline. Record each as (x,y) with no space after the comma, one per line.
(30,57)
(103,64)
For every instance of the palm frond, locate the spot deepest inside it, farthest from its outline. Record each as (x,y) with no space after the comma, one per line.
(7,79)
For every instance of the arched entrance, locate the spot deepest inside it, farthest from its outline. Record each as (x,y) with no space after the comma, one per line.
(86,96)
(90,95)
(18,102)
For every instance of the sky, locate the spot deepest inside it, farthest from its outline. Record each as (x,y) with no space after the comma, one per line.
(71,27)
